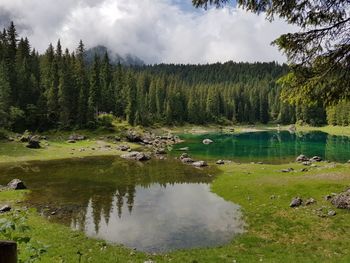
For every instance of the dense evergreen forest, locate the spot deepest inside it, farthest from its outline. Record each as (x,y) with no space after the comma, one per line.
(60,89)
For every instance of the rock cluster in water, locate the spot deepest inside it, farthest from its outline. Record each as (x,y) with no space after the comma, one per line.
(185,158)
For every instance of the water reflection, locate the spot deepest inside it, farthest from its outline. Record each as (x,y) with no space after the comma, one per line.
(155,207)
(269,146)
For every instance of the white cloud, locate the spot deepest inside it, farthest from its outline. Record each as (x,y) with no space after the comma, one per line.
(154,30)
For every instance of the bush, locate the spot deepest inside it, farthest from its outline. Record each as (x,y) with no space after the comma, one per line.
(105,120)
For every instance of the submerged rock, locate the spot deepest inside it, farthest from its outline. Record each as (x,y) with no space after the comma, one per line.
(207,141)
(184,155)
(220,162)
(297,201)
(342,200)
(187,160)
(184,149)
(16,184)
(200,164)
(139,156)
(5,208)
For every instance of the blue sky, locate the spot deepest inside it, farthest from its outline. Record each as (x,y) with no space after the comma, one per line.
(157,31)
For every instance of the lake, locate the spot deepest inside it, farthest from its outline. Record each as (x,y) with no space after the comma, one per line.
(158,206)
(266,146)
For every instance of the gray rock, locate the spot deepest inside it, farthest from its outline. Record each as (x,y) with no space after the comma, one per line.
(139,156)
(341,200)
(207,141)
(16,184)
(287,170)
(310,201)
(301,158)
(187,160)
(142,157)
(123,148)
(304,170)
(184,155)
(316,159)
(77,137)
(71,141)
(5,208)
(331,213)
(220,162)
(160,151)
(297,201)
(200,164)
(133,136)
(34,142)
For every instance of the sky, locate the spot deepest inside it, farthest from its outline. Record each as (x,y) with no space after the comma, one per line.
(157,31)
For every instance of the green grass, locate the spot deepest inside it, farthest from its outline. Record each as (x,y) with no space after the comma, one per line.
(333,130)
(275,232)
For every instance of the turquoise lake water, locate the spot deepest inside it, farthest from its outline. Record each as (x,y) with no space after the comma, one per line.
(266,146)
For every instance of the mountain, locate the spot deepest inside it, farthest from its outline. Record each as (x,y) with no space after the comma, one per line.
(127,60)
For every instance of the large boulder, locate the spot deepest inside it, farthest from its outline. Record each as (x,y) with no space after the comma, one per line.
(207,141)
(342,200)
(301,158)
(16,184)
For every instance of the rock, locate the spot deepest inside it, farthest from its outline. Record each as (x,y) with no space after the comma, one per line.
(77,137)
(307,163)
(207,141)
(143,157)
(71,141)
(297,201)
(220,162)
(316,159)
(160,151)
(260,163)
(133,136)
(349,161)
(310,201)
(304,170)
(200,164)
(123,148)
(16,184)
(292,128)
(33,143)
(301,158)
(5,208)
(136,156)
(187,160)
(184,155)
(341,200)
(287,170)
(331,213)
(184,149)
(25,137)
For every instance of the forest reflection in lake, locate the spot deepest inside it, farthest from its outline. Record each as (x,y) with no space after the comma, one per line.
(156,206)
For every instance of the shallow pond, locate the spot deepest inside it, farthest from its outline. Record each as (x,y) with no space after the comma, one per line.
(158,206)
(267,146)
